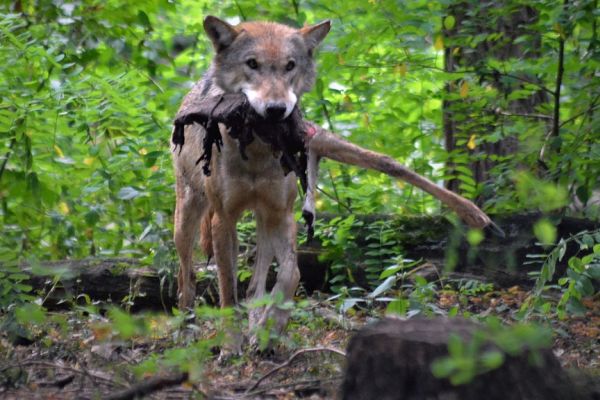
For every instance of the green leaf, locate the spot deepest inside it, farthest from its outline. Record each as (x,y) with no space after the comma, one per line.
(443,367)
(456,347)
(449,22)
(492,359)
(545,231)
(588,241)
(594,271)
(383,287)
(18,277)
(574,306)
(391,270)
(126,325)
(30,313)
(143,19)
(475,236)
(128,193)
(398,307)
(576,264)
(584,286)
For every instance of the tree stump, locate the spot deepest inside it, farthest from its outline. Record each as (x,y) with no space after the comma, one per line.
(391,359)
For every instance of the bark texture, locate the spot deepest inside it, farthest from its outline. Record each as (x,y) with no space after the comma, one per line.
(391,360)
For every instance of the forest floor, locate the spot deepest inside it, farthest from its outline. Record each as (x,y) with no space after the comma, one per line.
(83,357)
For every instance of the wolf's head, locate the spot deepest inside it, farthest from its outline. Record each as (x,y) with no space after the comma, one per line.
(272,64)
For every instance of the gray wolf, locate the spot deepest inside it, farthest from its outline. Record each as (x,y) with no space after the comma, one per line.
(273,65)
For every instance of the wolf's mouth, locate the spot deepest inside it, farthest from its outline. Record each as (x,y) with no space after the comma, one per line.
(254,117)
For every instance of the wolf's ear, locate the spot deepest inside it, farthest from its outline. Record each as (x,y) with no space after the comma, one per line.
(220,32)
(314,34)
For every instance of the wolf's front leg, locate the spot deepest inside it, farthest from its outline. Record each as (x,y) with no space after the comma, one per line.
(225,246)
(288,277)
(257,289)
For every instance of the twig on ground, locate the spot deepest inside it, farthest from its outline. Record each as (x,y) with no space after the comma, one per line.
(151,385)
(303,384)
(61,382)
(338,319)
(292,358)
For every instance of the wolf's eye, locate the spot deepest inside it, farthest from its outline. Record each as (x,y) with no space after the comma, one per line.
(290,66)
(251,63)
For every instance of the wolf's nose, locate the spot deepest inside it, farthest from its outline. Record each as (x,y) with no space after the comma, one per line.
(275,111)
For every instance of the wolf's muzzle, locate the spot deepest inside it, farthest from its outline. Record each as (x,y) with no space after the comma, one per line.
(275,111)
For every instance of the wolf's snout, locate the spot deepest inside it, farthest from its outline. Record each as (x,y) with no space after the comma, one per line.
(275,111)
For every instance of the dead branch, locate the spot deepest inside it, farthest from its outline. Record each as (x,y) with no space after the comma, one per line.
(60,383)
(292,358)
(296,385)
(149,386)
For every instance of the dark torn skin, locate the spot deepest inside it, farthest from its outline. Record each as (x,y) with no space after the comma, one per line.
(234,111)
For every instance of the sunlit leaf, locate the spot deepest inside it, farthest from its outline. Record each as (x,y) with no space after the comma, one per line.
(545,231)
(471,143)
(439,43)
(464,89)
(449,22)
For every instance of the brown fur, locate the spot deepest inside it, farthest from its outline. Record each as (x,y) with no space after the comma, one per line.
(206,234)
(213,204)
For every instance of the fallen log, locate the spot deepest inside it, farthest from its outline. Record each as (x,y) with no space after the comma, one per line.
(124,282)
(392,359)
(499,260)
(119,281)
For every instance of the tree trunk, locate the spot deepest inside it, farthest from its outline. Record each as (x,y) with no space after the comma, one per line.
(462,118)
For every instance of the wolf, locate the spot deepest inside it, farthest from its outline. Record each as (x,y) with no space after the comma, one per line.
(273,65)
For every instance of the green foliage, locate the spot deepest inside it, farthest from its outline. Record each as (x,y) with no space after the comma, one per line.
(545,231)
(380,249)
(85,166)
(472,287)
(583,269)
(487,349)
(13,289)
(537,194)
